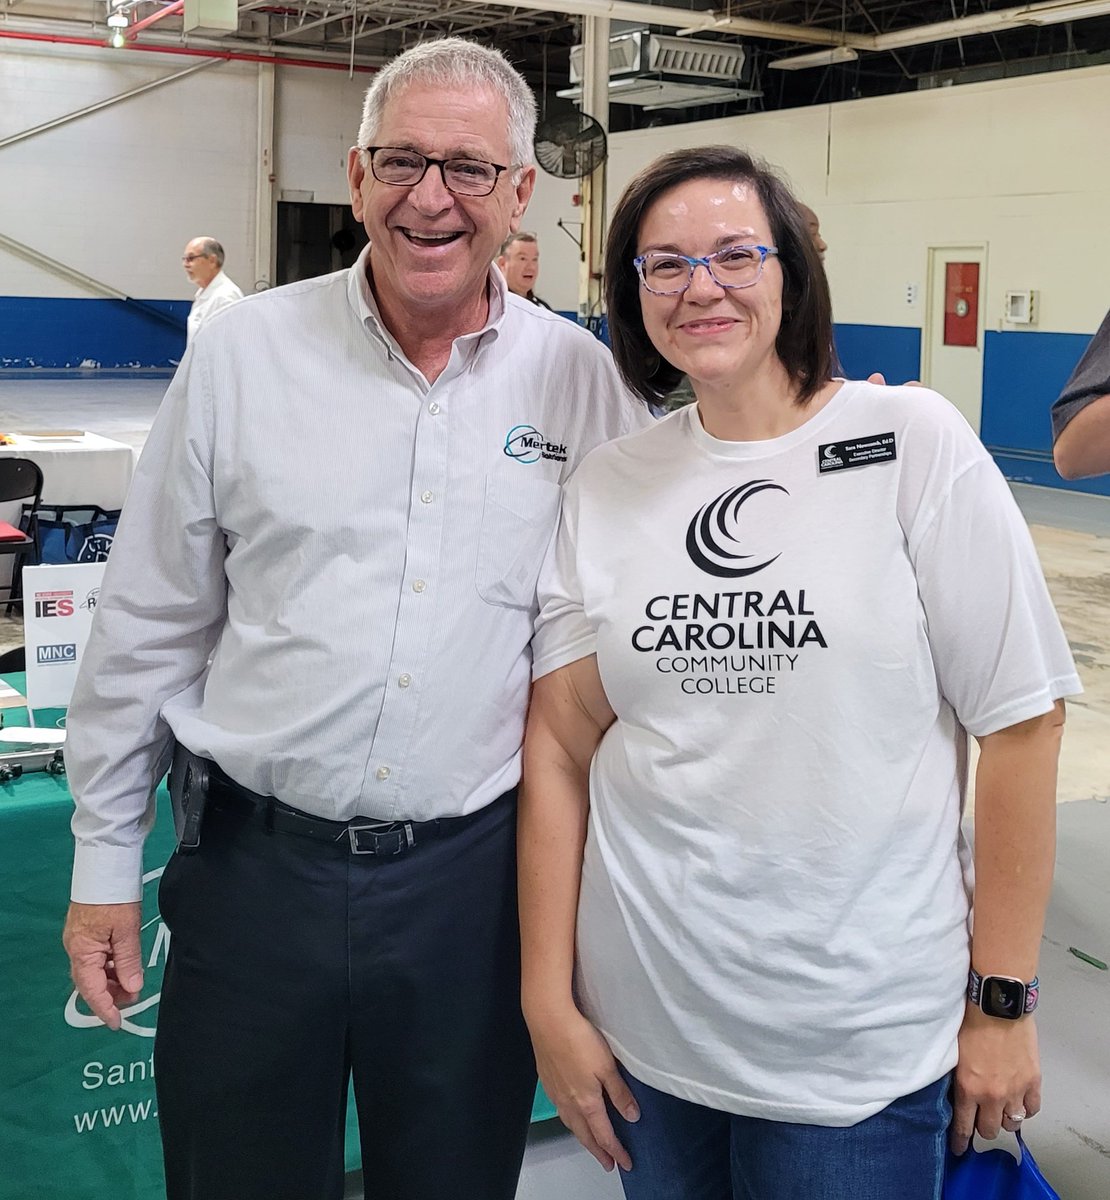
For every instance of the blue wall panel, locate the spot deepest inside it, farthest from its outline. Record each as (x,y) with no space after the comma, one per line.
(45,332)
(1023,373)
(893,350)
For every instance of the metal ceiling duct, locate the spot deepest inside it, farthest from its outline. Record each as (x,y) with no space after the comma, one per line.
(650,71)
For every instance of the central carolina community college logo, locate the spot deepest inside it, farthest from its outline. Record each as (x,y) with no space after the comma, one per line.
(156,944)
(525,444)
(712,539)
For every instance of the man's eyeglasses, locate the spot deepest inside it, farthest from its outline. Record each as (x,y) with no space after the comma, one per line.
(406,168)
(666,274)
(188,258)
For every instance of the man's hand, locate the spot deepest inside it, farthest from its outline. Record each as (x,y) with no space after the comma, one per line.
(105,957)
(998,1075)
(880,379)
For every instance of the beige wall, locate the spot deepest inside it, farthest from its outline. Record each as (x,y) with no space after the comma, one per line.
(1018,164)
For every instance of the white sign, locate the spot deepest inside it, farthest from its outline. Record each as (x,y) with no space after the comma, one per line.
(58,607)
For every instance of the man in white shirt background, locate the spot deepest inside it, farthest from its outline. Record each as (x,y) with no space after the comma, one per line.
(203,260)
(323,588)
(519,261)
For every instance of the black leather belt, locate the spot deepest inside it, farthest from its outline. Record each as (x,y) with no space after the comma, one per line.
(383,839)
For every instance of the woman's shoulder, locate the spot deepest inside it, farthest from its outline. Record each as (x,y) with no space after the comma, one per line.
(654,442)
(924,418)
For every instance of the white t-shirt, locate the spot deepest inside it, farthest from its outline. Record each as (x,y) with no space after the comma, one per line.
(774,903)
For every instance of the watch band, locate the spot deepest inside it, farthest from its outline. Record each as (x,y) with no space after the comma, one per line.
(976,990)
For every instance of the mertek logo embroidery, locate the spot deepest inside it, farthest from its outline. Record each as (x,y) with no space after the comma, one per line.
(712,539)
(525,444)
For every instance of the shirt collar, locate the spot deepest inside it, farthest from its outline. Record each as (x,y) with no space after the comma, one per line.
(361,298)
(209,285)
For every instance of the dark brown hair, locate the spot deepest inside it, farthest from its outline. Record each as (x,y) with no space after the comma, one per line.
(804,341)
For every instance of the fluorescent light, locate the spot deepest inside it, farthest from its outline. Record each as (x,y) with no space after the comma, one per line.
(1057,14)
(819,58)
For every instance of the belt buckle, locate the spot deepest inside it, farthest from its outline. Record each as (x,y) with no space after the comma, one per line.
(384,838)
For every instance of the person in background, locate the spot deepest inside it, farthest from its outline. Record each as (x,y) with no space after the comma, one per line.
(203,261)
(1081,416)
(813,224)
(519,260)
(323,588)
(766,624)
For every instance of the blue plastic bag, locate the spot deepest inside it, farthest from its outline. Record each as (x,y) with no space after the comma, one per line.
(995,1175)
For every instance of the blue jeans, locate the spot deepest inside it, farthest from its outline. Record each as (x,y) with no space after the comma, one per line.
(684,1151)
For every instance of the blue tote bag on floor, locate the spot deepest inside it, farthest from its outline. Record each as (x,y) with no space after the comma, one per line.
(995,1175)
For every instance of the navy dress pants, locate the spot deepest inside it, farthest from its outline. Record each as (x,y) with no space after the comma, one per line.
(294,965)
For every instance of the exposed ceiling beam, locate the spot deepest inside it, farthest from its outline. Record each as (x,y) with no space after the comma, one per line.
(684,20)
(429,14)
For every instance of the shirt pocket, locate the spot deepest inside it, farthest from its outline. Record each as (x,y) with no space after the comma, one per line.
(518,520)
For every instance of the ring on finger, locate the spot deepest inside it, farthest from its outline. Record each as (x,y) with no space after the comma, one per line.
(1017,1116)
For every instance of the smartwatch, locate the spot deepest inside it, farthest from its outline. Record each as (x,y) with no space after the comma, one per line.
(1002,995)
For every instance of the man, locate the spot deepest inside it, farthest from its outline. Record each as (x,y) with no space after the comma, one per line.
(323,585)
(1081,416)
(519,261)
(203,261)
(813,224)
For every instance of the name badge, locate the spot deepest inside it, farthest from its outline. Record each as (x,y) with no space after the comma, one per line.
(856,452)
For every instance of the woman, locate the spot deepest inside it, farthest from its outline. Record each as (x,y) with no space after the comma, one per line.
(767,622)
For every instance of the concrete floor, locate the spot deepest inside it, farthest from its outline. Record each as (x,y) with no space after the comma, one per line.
(1071,1137)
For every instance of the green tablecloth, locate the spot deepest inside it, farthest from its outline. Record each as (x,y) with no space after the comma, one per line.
(77,1106)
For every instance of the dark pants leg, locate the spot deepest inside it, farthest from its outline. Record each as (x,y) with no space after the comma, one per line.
(251,1050)
(443,1068)
(679,1150)
(898,1154)
(684,1151)
(290,960)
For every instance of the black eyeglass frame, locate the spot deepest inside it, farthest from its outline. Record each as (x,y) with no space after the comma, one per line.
(435,162)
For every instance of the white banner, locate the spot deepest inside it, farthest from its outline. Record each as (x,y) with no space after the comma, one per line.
(58,607)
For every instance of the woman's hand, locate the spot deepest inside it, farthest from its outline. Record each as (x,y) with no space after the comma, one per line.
(999,1074)
(578,1071)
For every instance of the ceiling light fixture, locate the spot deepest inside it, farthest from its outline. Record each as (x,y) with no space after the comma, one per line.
(118,21)
(818,58)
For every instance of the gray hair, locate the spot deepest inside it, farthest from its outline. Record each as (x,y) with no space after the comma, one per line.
(213,249)
(455,62)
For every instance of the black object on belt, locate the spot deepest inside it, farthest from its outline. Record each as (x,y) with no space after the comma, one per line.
(383,839)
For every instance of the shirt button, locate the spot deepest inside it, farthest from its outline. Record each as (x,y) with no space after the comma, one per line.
(433,408)
(418,585)
(426,497)
(404,680)
(382,772)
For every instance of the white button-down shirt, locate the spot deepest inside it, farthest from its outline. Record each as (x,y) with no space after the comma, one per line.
(220,292)
(355,548)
